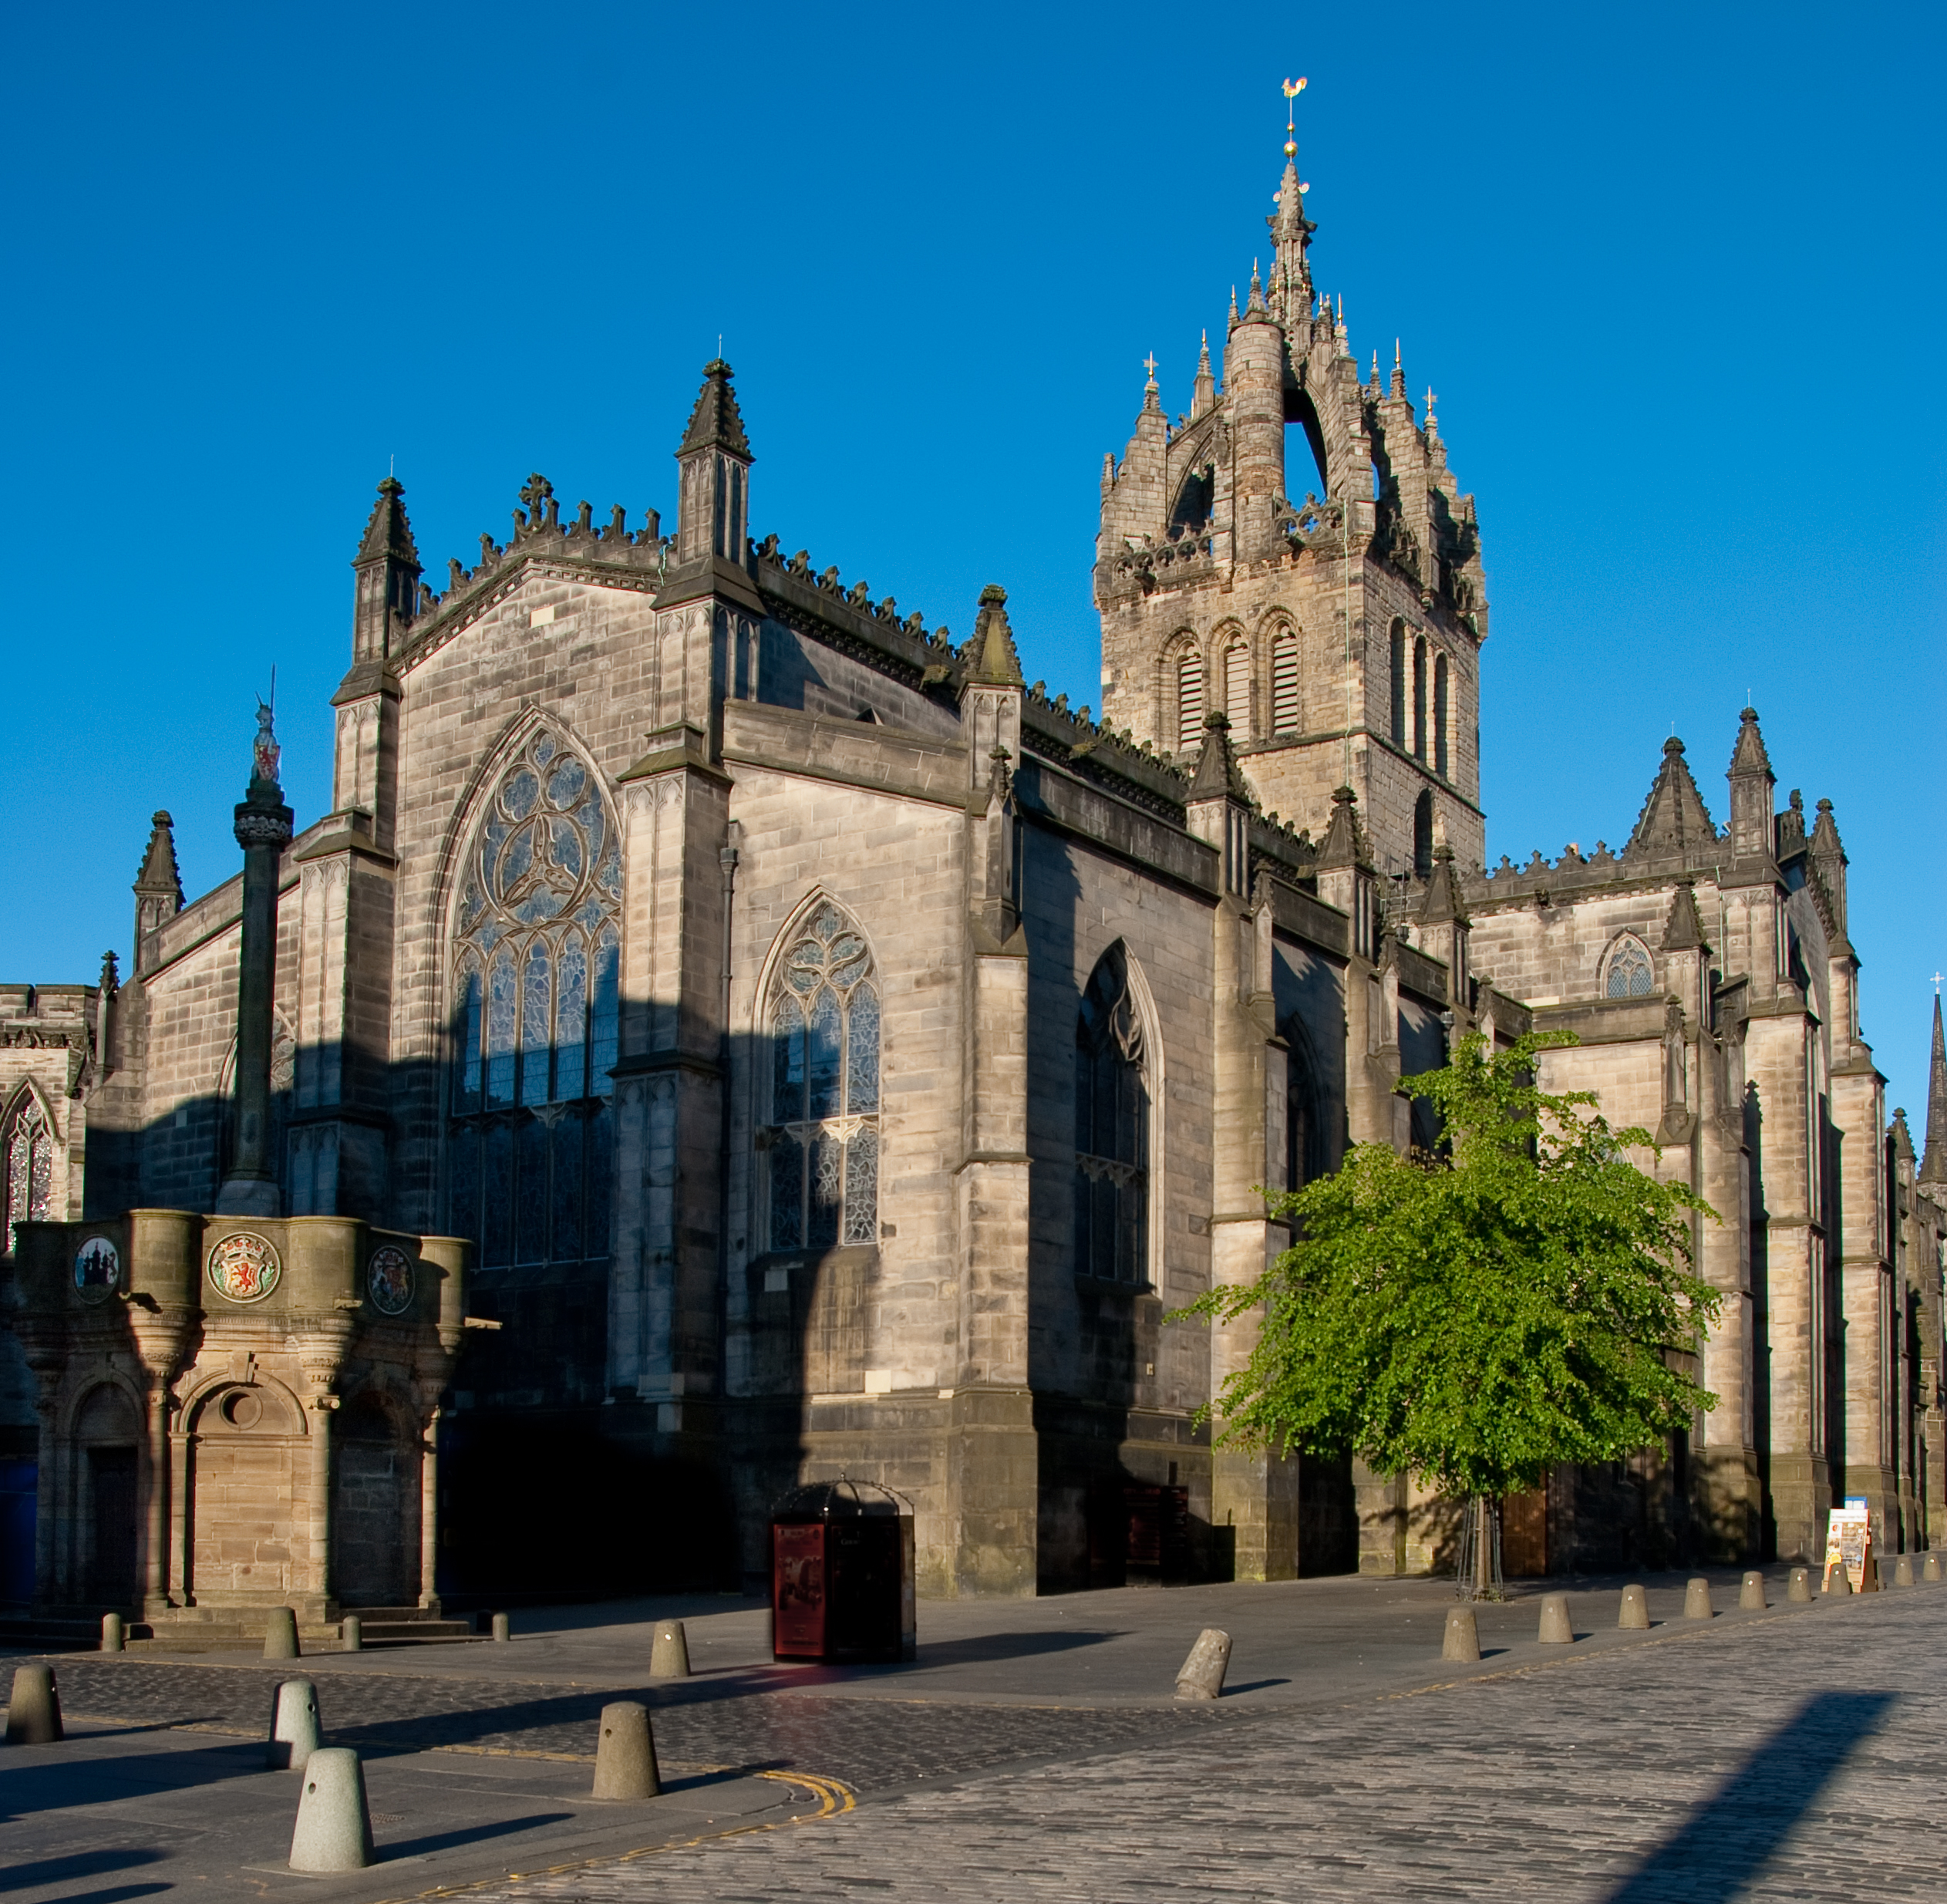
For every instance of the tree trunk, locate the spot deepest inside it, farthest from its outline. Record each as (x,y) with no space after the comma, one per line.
(1483,1560)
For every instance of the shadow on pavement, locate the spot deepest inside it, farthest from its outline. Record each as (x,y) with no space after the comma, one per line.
(57,1783)
(1722,1851)
(79,1864)
(471,1834)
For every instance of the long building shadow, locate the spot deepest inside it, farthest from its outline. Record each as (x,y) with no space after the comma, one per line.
(1723,1849)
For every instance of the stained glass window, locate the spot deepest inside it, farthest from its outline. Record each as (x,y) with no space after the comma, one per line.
(1111,1101)
(29,1152)
(822,1147)
(536,987)
(1629,975)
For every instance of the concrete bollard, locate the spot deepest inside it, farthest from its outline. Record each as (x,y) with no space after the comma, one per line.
(281,1634)
(1840,1586)
(625,1765)
(1930,1569)
(295,1733)
(1696,1598)
(34,1712)
(1903,1571)
(502,1627)
(1750,1595)
(669,1651)
(1635,1615)
(352,1633)
(1462,1638)
(334,1827)
(113,1632)
(1201,1674)
(1799,1593)
(1555,1629)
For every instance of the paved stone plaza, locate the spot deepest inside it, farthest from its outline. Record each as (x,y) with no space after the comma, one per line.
(1033,1753)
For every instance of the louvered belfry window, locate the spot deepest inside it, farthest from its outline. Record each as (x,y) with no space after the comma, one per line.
(535,986)
(1190,701)
(1283,683)
(822,1144)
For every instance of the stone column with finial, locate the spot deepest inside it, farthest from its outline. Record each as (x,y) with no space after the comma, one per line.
(263,823)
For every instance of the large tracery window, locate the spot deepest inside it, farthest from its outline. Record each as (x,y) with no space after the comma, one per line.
(28,1151)
(821,1143)
(1629,975)
(535,986)
(1112,1100)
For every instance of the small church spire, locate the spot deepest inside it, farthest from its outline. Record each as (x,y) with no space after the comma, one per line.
(1205,387)
(996,659)
(1933,1165)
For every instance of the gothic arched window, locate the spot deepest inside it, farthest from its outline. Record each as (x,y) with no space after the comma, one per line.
(1628,974)
(1237,689)
(1441,763)
(1112,1100)
(1283,683)
(29,1149)
(1422,836)
(1188,683)
(1420,698)
(1399,684)
(822,1141)
(536,972)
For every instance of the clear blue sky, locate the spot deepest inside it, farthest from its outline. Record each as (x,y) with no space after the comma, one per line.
(1675,273)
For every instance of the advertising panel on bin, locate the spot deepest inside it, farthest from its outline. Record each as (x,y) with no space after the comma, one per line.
(842,1575)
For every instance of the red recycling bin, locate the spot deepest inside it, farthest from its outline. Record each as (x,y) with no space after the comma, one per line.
(842,1586)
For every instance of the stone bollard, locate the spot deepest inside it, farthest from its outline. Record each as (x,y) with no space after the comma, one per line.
(333,1828)
(1462,1638)
(281,1634)
(1750,1595)
(1903,1571)
(1930,1569)
(1840,1586)
(1202,1675)
(502,1627)
(34,1712)
(669,1651)
(1634,1616)
(295,1733)
(113,1632)
(1799,1593)
(352,1633)
(1696,1598)
(625,1765)
(1555,1629)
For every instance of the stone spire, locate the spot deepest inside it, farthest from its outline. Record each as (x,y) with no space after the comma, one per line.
(1828,860)
(1218,776)
(1674,819)
(1933,1165)
(386,590)
(717,423)
(1206,383)
(995,660)
(1753,835)
(1682,930)
(1441,904)
(158,888)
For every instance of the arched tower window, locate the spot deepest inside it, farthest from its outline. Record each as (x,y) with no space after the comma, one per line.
(1237,689)
(821,1143)
(1399,684)
(1190,700)
(1112,1100)
(1419,699)
(1423,835)
(1627,973)
(27,1147)
(1441,754)
(536,992)
(1283,683)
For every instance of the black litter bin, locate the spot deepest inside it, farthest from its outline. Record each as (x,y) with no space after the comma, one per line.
(842,1574)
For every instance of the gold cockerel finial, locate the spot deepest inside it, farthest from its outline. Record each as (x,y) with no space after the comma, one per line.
(1292,89)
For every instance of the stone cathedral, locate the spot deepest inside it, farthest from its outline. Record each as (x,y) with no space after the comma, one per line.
(798,1045)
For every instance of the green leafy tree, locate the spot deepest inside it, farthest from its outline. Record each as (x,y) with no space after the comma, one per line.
(1475,1316)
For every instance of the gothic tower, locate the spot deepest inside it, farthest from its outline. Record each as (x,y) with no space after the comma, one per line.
(1339,627)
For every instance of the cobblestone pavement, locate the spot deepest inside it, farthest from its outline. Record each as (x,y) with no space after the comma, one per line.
(1799,1757)
(870,1745)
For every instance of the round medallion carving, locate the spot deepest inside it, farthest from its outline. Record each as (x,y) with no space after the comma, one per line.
(389,1280)
(97,1269)
(244,1267)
